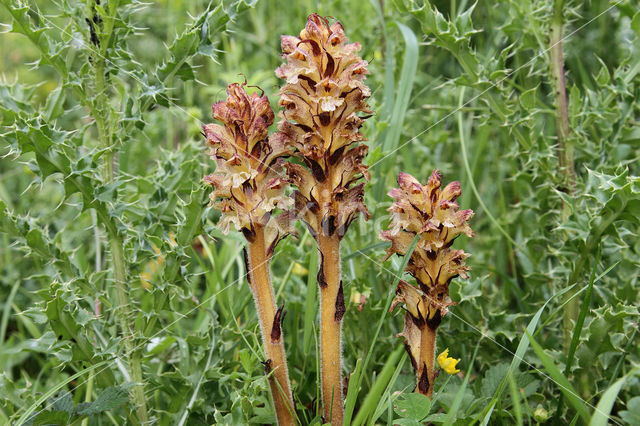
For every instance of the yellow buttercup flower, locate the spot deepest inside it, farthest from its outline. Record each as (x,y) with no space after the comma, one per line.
(448,364)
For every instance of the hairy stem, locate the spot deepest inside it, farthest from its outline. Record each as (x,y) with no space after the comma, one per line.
(426,372)
(331,311)
(125,317)
(270,324)
(101,112)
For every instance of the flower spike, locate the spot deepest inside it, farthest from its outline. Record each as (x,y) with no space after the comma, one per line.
(430,212)
(323,98)
(250,180)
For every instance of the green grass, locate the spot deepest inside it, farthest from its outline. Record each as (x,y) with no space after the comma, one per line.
(545,327)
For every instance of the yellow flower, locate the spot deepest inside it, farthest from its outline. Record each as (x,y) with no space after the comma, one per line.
(446,363)
(300,270)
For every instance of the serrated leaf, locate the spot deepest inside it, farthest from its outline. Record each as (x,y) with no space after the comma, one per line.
(108,399)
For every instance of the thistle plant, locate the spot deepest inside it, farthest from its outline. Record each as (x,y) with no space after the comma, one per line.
(249,185)
(430,213)
(323,98)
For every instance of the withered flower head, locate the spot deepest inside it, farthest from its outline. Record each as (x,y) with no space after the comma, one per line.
(323,98)
(250,180)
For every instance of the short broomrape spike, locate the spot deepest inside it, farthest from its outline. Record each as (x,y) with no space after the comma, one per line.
(430,212)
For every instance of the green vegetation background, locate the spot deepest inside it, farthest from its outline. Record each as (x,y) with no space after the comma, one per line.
(462,87)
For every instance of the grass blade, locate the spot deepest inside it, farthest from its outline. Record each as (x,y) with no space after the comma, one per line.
(370,402)
(518,356)
(577,329)
(453,410)
(352,392)
(401,102)
(55,390)
(601,413)
(560,379)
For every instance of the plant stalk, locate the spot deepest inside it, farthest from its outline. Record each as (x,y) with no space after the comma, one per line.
(270,324)
(125,317)
(331,312)
(565,145)
(426,372)
(101,112)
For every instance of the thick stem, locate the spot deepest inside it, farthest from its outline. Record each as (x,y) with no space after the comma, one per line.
(332,309)
(426,371)
(270,324)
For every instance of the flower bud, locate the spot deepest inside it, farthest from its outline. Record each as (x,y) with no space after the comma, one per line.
(541,414)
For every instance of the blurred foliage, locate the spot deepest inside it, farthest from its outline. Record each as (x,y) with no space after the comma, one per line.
(465,88)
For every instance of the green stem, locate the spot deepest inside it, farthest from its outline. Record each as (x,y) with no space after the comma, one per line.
(565,145)
(102,116)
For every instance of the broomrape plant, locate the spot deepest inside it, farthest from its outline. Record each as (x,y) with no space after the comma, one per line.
(323,97)
(249,185)
(430,213)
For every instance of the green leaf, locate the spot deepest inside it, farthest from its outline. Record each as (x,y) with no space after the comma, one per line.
(635,24)
(55,389)
(51,418)
(457,402)
(632,413)
(518,356)
(603,409)
(413,406)
(108,399)
(528,98)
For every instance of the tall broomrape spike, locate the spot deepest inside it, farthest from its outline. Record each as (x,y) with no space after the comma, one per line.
(322,99)
(249,183)
(430,212)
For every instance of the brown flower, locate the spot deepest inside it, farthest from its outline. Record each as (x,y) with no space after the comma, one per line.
(250,180)
(322,99)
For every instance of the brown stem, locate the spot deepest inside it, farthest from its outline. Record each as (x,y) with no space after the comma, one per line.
(332,309)
(426,371)
(270,324)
